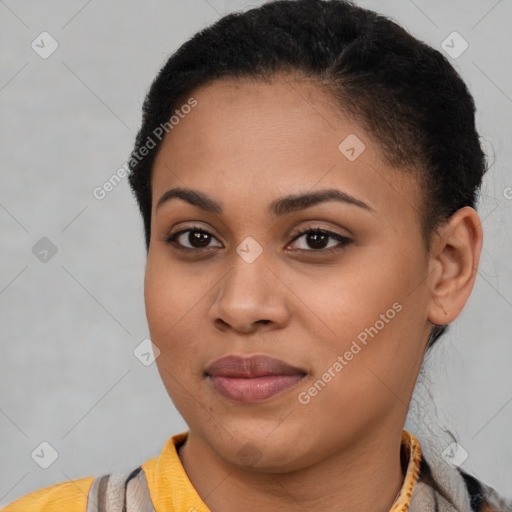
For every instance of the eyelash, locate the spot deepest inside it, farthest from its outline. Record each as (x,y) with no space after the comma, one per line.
(343,241)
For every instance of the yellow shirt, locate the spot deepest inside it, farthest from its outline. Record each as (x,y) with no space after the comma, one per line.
(169,485)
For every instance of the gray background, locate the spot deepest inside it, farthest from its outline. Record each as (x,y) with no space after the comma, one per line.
(68,375)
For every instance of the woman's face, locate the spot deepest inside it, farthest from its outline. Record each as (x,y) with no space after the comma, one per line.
(346,308)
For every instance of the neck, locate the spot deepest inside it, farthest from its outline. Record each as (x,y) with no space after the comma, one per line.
(367,475)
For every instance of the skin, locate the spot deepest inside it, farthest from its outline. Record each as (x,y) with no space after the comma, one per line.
(246,144)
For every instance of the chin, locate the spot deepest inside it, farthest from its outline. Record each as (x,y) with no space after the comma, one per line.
(260,446)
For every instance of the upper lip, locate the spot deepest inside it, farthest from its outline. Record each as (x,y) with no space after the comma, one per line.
(254,366)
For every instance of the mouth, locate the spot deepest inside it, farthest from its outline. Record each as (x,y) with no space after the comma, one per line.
(252,379)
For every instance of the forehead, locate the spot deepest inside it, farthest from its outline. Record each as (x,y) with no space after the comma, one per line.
(245,138)
(285,105)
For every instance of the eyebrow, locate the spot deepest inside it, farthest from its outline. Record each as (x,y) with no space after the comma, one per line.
(277,208)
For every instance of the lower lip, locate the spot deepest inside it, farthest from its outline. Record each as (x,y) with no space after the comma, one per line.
(254,389)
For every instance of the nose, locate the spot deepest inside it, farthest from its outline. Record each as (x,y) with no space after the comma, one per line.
(250,296)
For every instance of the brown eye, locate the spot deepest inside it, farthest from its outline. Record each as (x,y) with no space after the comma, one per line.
(197,239)
(315,240)
(318,239)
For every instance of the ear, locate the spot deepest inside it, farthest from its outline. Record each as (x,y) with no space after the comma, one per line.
(454,260)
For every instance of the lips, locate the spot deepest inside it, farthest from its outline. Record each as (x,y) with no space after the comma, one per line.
(255,366)
(252,379)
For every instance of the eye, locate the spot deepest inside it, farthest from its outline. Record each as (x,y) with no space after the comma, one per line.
(318,239)
(197,237)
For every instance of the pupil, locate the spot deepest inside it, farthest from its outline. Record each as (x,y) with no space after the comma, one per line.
(316,236)
(315,240)
(197,237)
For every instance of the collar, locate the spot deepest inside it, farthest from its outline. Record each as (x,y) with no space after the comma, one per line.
(169,484)
(411,447)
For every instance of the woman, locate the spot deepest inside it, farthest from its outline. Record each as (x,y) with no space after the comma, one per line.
(307,173)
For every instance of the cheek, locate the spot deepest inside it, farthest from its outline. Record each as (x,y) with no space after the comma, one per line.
(173,314)
(172,301)
(372,313)
(171,294)
(353,296)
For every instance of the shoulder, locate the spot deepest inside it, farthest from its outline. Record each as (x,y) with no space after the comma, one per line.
(461,490)
(484,498)
(92,494)
(124,490)
(70,496)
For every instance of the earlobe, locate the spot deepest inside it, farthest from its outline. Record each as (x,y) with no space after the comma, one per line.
(441,307)
(455,260)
